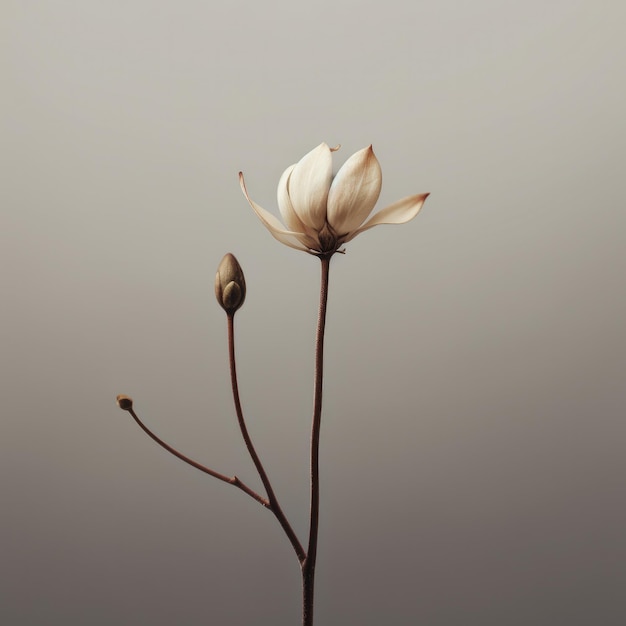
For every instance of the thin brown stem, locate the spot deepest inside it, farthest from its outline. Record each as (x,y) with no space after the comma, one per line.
(274,506)
(308,566)
(231,480)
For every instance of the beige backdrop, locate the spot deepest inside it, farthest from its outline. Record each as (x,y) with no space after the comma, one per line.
(473,442)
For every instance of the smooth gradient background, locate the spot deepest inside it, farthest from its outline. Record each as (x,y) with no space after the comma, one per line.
(474,436)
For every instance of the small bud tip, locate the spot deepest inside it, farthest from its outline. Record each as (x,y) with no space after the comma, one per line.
(124,402)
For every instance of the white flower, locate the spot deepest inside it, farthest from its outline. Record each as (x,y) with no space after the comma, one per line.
(321,213)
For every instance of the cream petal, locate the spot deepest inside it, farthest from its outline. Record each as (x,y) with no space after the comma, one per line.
(285,206)
(354,191)
(307,236)
(308,186)
(272,223)
(397,213)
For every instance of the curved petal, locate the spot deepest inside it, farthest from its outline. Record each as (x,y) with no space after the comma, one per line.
(308,186)
(309,237)
(354,191)
(272,223)
(397,213)
(285,206)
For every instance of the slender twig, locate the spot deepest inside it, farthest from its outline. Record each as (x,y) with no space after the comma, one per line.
(308,566)
(231,480)
(274,506)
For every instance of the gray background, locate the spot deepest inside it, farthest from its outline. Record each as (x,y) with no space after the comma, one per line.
(473,443)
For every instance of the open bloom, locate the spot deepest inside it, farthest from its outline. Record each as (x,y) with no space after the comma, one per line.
(321,213)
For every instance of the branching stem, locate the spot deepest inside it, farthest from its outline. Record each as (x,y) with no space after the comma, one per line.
(231,480)
(308,558)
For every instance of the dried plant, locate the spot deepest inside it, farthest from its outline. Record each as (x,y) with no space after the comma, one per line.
(320,215)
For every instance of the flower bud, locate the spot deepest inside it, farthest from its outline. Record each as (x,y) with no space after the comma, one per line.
(230,284)
(125,402)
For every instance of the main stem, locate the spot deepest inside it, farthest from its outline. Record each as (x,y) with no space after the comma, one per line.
(308,565)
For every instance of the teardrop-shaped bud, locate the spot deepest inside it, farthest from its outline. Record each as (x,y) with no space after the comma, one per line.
(230,284)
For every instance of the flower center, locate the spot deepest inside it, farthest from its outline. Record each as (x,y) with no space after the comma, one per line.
(328,238)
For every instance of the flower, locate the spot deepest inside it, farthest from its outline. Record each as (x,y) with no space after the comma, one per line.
(230,284)
(321,213)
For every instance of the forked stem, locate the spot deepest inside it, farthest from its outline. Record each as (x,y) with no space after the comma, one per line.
(271,502)
(308,558)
